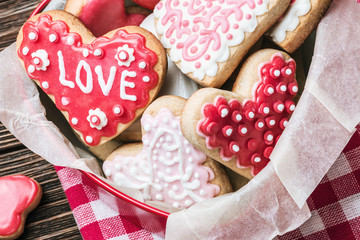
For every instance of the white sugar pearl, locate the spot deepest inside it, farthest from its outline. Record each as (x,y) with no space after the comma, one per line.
(288,71)
(283,88)
(97,52)
(285,123)
(25,50)
(292,107)
(107,172)
(142,65)
(257,159)
(64,101)
(280,107)
(45,85)
(70,41)
(272,122)
(295,89)
(235,148)
(32,36)
(229,132)
(251,115)
(31,69)
(270,137)
(159,197)
(146,79)
(224,112)
(266,110)
(260,124)
(270,90)
(74,121)
(244,130)
(238,117)
(52,37)
(36,61)
(117,110)
(89,139)
(277,73)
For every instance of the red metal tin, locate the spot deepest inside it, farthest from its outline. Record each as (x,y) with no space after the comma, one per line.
(141,214)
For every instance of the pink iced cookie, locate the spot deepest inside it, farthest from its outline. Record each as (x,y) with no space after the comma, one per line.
(166,167)
(240,128)
(102,16)
(19,195)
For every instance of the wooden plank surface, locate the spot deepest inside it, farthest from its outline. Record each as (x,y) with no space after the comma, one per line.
(53,218)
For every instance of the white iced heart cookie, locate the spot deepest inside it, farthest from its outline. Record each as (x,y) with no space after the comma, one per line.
(208,39)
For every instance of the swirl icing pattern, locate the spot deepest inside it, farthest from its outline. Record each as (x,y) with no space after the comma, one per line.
(168,168)
(249,130)
(200,33)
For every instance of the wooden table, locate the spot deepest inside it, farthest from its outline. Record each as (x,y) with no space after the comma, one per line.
(53,218)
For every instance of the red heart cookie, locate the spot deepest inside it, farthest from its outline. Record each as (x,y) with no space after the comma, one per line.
(102,16)
(19,195)
(149,4)
(101,85)
(208,39)
(241,128)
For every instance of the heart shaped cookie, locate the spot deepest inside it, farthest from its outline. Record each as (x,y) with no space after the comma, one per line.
(101,85)
(103,16)
(240,128)
(208,39)
(19,195)
(166,167)
(298,22)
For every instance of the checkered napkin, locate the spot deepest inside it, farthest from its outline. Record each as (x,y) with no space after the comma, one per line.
(335,204)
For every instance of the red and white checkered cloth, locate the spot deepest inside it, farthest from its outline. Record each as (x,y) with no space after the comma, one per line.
(335,205)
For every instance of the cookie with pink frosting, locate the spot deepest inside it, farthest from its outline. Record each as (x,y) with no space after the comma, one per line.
(240,128)
(101,85)
(102,16)
(165,166)
(298,22)
(19,195)
(208,39)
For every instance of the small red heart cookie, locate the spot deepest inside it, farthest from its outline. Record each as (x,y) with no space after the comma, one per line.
(19,195)
(101,85)
(102,16)
(149,4)
(166,167)
(208,39)
(240,128)
(298,22)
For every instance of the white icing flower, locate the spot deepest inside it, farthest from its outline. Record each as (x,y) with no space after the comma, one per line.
(97,119)
(125,55)
(40,59)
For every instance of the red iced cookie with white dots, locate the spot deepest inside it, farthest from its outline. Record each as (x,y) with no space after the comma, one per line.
(100,84)
(240,128)
(19,195)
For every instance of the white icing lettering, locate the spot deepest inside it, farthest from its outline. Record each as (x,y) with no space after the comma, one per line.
(62,79)
(124,84)
(105,87)
(89,79)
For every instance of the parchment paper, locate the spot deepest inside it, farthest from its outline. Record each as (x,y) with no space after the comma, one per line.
(274,201)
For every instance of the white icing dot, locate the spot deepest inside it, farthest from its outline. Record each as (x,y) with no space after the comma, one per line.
(260,124)
(117,166)
(146,79)
(89,139)
(31,69)
(74,121)
(166,185)
(190,159)
(123,55)
(224,112)
(280,107)
(161,139)
(196,175)
(85,53)
(25,50)
(272,122)
(202,192)
(251,115)
(147,127)
(257,159)
(146,142)
(165,120)
(244,130)
(288,71)
(32,36)
(266,110)
(117,110)
(229,132)
(270,137)
(238,117)
(142,65)
(174,124)
(277,73)
(285,123)
(70,41)
(107,172)
(64,101)
(156,151)
(188,202)
(157,180)
(159,197)
(45,85)
(97,52)
(270,90)
(52,37)
(176,204)
(36,60)
(154,158)
(292,107)
(283,88)
(168,170)
(175,188)
(155,166)
(235,148)
(158,145)
(295,89)
(188,150)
